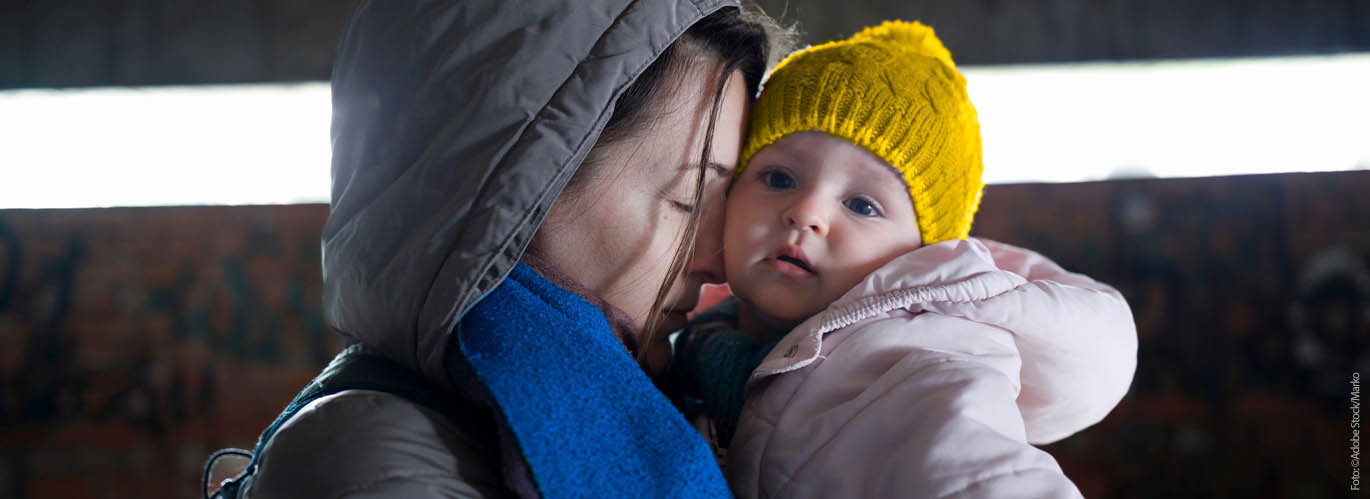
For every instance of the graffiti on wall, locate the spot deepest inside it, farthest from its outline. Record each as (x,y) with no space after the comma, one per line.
(146,338)
(135,341)
(1252,315)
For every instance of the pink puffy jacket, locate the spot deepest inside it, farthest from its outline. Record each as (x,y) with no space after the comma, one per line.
(931,378)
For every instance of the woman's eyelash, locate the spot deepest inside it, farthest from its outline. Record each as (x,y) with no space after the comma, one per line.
(685,207)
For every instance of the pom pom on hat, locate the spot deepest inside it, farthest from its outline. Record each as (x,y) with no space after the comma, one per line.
(914,36)
(892,89)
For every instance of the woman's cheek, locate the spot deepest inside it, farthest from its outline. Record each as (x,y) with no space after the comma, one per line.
(664,233)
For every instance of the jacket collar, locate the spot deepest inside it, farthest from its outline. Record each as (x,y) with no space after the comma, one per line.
(959,270)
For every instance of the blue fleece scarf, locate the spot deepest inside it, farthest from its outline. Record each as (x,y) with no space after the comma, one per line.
(588,420)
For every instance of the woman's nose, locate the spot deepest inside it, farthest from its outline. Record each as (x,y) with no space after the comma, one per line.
(807,214)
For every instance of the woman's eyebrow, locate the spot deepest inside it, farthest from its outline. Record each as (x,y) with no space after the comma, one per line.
(721,169)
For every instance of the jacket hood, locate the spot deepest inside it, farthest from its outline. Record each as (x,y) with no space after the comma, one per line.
(455,126)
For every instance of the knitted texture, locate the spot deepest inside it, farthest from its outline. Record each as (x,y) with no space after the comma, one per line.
(715,359)
(588,421)
(893,90)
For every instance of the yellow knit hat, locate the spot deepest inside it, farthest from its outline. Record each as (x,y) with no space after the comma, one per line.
(894,90)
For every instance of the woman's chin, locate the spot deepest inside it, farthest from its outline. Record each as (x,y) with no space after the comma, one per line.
(671,322)
(657,354)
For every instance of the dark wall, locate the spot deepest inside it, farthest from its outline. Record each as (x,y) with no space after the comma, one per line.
(149,42)
(1022,31)
(133,341)
(155,42)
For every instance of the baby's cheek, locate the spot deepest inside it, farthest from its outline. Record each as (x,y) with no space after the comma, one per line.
(840,285)
(737,235)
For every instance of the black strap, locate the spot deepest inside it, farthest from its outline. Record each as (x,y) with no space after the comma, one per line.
(356,369)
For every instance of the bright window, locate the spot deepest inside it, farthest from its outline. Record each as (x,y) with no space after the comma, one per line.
(1065,123)
(268,143)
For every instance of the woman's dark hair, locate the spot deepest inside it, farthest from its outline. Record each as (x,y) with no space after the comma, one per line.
(736,37)
(741,40)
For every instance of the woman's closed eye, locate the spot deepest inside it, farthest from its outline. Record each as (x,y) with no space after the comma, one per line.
(864,207)
(683,207)
(674,199)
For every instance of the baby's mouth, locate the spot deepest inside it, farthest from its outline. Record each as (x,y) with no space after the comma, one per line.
(796,262)
(790,260)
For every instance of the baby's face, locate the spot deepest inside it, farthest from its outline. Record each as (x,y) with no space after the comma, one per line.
(810,217)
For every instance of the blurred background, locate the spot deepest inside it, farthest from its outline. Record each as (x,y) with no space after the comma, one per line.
(164,180)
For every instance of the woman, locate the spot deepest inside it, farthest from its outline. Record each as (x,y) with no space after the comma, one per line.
(597,135)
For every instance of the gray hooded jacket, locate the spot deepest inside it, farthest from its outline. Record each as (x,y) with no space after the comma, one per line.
(455,126)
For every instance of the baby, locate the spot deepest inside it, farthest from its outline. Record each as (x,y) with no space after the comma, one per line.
(880,350)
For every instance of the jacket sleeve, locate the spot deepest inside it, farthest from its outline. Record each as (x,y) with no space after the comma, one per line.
(898,415)
(359,444)
(1077,339)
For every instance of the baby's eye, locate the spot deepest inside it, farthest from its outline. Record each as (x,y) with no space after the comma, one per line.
(777,180)
(862,207)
